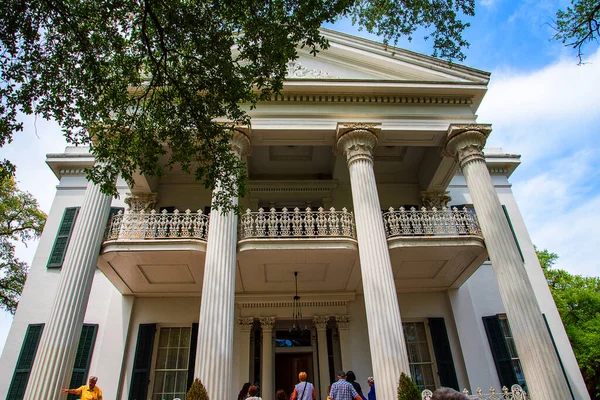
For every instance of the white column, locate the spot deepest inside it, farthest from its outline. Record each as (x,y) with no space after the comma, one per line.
(342,322)
(214,358)
(54,360)
(246,324)
(543,373)
(386,338)
(320,323)
(267,383)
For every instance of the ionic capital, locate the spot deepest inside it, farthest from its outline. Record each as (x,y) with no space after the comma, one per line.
(320,322)
(342,321)
(357,140)
(141,202)
(267,323)
(246,323)
(435,198)
(465,142)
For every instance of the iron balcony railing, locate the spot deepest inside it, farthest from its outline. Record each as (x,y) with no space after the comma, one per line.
(158,225)
(297,224)
(434,222)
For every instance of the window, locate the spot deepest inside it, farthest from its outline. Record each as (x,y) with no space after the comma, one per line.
(172,359)
(419,355)
(63,236)
(512,350)
(20,378)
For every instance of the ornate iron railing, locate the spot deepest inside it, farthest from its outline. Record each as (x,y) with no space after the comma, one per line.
(296,224)
(154,225)
(516,393)
(434,222)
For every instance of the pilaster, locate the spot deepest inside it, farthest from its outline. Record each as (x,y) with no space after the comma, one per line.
(343,322)
(386,337)
(268,373)
(320,322)
(246,325)
(543,373)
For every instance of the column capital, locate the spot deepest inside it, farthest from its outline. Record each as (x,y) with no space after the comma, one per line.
(267,323)
(137,202)
(320,322)
(357,140)
(435,198)
(240,140)
(246,323)
(465,142)
(342,321)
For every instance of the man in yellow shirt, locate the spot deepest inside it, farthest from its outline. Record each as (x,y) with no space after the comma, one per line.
(87,392)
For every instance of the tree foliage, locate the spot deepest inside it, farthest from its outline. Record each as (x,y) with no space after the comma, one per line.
(578,301)
(144,82)
(578,24)
(197,391)
(407,389)
(21,220)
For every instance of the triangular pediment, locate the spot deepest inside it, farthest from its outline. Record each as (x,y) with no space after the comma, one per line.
(357,59)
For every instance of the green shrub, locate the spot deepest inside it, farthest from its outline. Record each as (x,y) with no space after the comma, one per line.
(407,389)
(197,391)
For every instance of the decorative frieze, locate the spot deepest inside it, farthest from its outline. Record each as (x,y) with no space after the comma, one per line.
(295,70)
(348,98)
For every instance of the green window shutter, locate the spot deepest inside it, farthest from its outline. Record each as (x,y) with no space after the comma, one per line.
(192,359)
(83,358)
(16,391)
(443,353)
(513,231)
(142,362)
(502,359)
(57,256)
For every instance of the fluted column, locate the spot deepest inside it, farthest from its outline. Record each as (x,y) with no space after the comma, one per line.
(543,373)
(386,338)
(246,324)
(214,358)
(267,385)
(53,364)
(320,323)
(342,322)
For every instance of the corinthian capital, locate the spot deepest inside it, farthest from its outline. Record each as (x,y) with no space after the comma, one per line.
(342,321)
(465,142)
(320,322)
(246,323)
(267,323)
(357,140)
(435,198)
(240,141)
(141,202)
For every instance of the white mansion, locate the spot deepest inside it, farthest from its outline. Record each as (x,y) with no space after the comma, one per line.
(379,237)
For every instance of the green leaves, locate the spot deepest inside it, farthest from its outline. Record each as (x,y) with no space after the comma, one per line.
(21,220)
(578,301)
(144,82)
(578,24)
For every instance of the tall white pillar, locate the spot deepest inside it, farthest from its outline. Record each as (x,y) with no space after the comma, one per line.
(53,364)
(386,338)
(320,323)
(214,358)
(267,384)
(342,322)
(543,373)
(246,324)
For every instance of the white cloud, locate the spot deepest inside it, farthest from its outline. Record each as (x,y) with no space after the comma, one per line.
(550,117)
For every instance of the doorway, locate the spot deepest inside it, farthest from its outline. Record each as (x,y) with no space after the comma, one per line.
(288,366)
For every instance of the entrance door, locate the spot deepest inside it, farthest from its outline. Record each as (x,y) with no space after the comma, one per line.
(287,368)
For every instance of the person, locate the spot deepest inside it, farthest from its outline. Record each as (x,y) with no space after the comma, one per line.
(244,392)
(281,395)
(87,392)
(328,391)
(351,377)
(252,393)
(448,394)
(304,390)
(371,394)
(342,390)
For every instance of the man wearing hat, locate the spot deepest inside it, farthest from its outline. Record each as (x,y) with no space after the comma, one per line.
(87,392)
(342,390)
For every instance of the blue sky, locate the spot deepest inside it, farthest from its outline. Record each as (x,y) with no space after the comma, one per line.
(541,103)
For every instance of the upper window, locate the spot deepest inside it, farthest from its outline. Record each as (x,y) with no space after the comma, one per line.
(512,350)
(419,355)
(171,369)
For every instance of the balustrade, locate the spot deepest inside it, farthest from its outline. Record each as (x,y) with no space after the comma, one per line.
(516,392)
(423,222)
(296,223)
(158,225)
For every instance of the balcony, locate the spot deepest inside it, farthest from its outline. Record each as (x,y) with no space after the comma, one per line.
(433,249)
(155,253)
